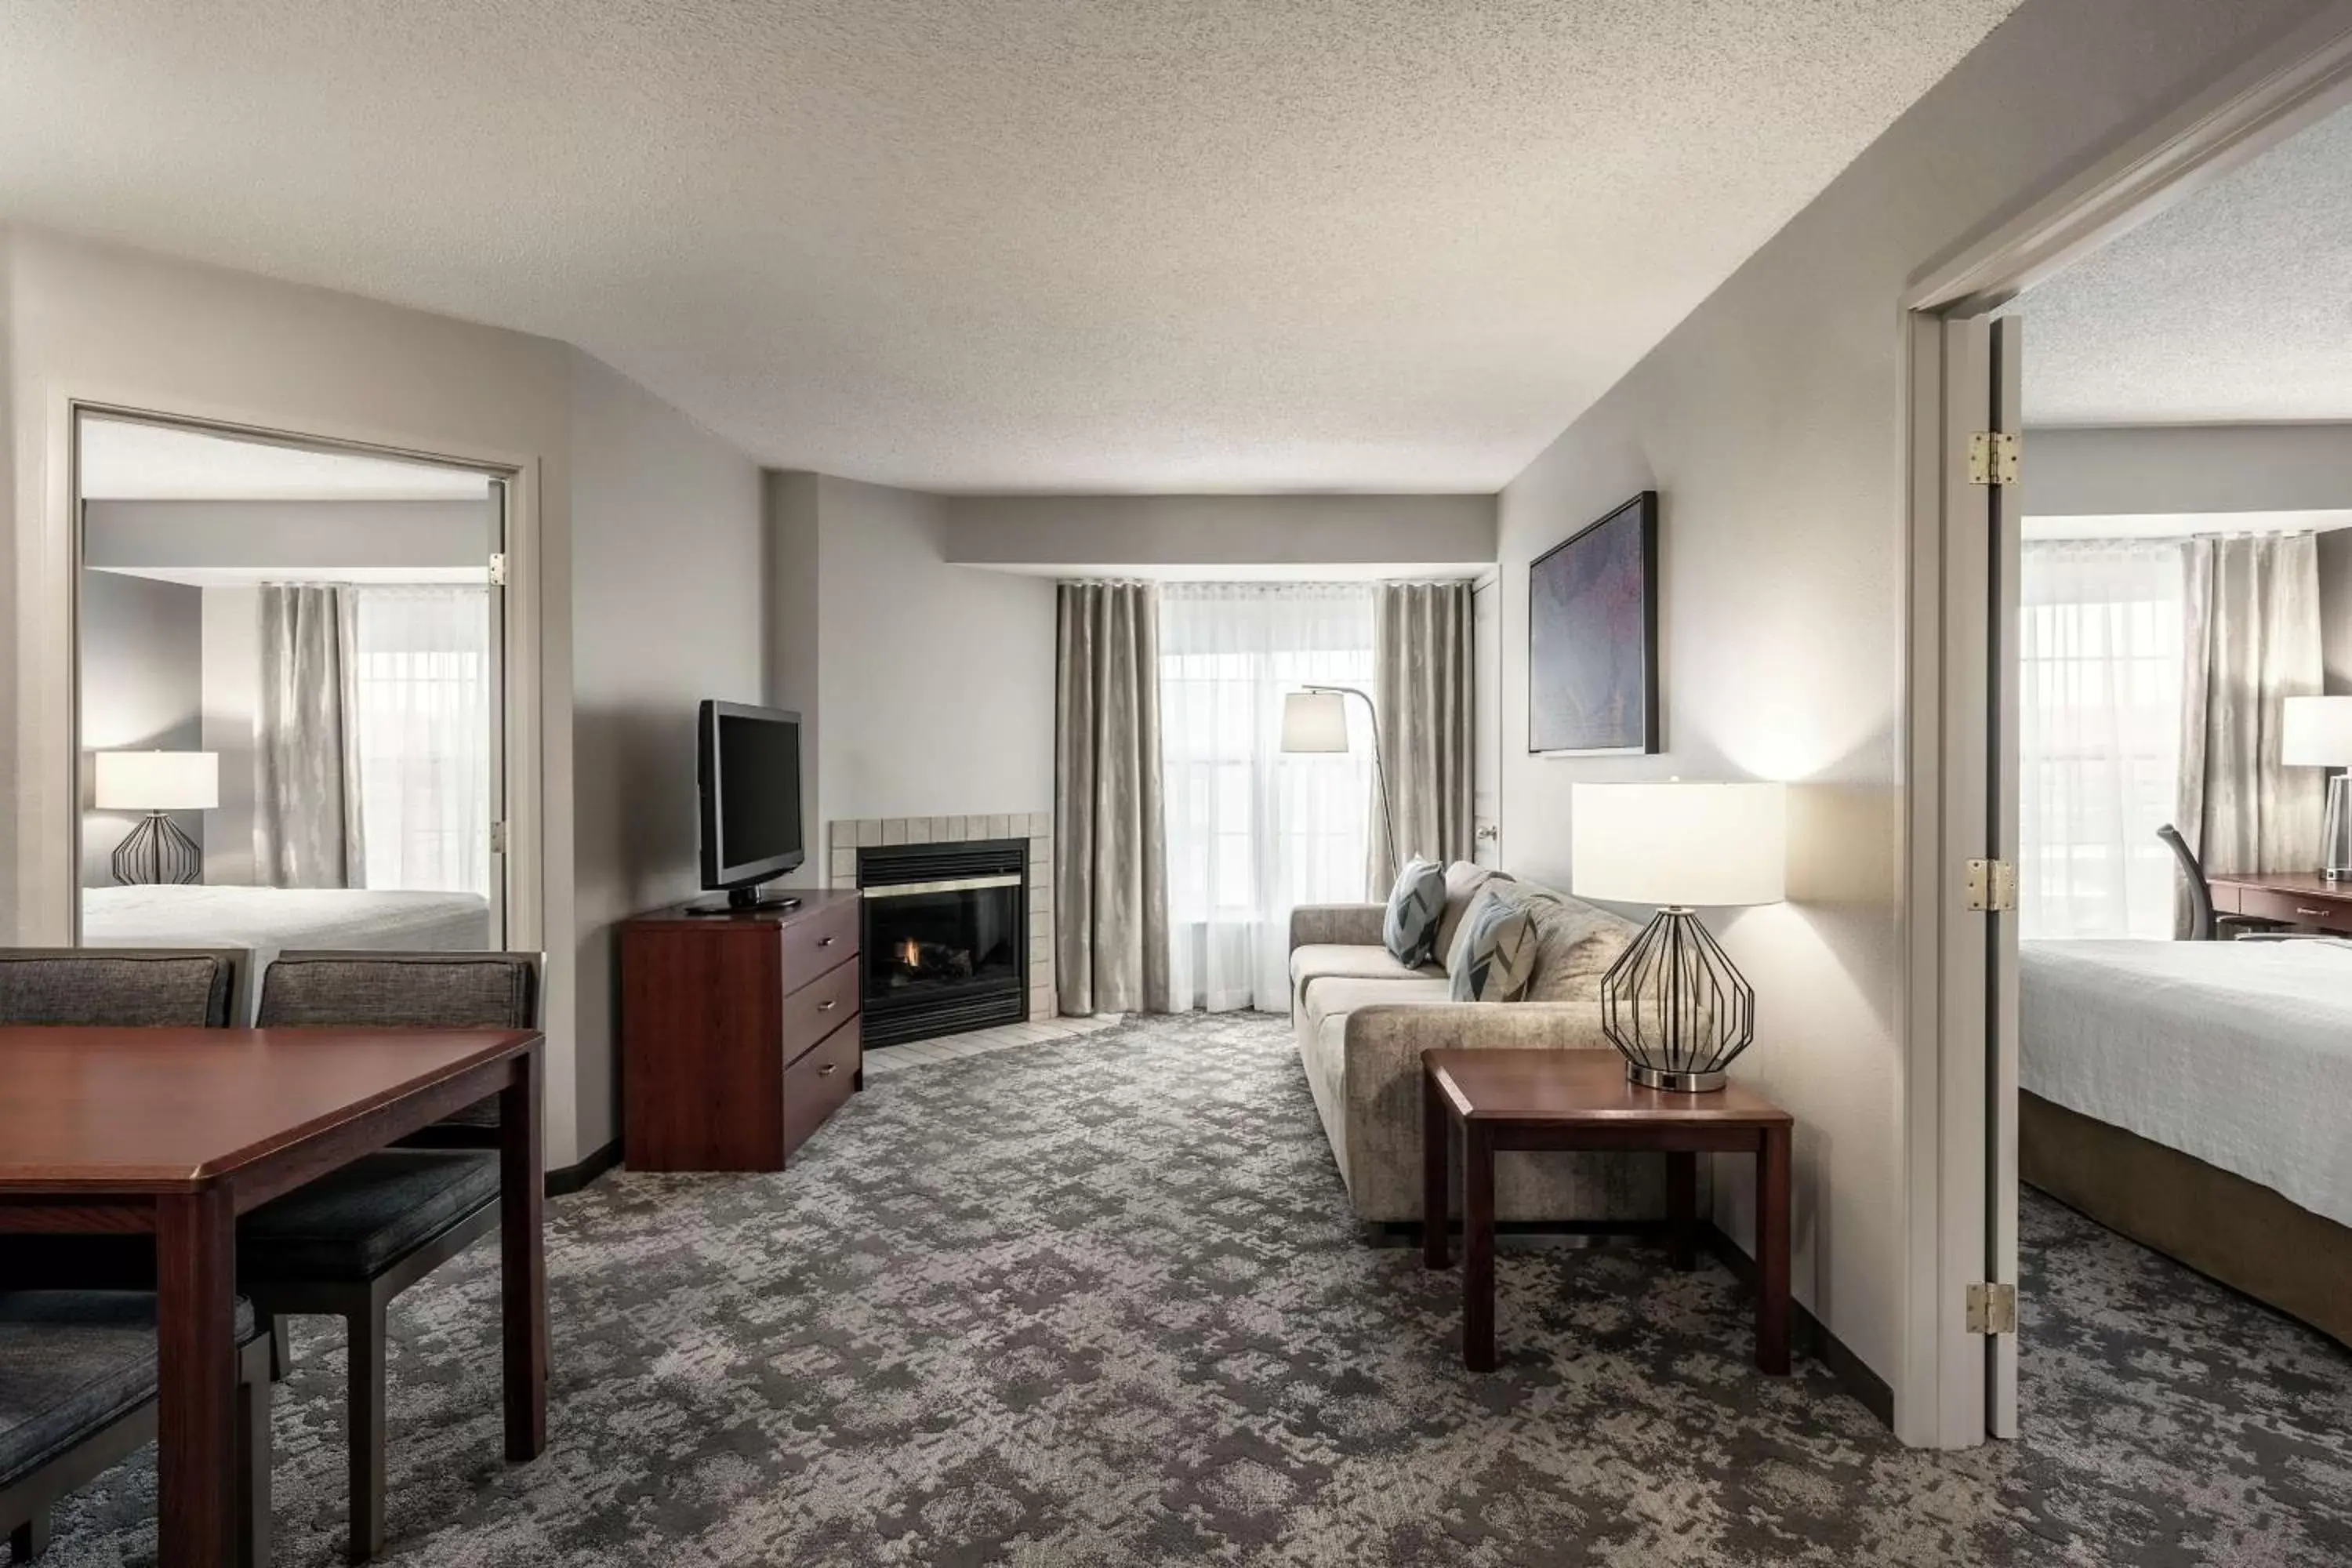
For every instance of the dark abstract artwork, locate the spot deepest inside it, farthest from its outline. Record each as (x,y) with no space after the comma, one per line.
(1592,637)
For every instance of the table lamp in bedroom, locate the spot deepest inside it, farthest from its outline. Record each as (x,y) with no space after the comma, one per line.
(157,782)
(1673,1003)
(2318,734)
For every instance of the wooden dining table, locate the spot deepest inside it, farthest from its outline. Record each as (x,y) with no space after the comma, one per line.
(175,1133)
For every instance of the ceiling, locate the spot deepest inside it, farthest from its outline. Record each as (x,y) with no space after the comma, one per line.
(126,460)
(976,245)
(2235,305)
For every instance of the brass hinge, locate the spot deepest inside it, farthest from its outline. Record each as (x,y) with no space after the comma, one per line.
(1992,457)
(497,838)
(1991,886)
(499,569)
(1992,1309)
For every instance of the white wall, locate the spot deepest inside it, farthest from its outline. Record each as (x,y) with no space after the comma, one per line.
(232,721)
(285,535)
(2133,470)
(1771,422)
(1109,533)
(141,689)
(668,608)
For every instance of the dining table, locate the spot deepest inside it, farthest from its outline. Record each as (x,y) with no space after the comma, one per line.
(175,1132)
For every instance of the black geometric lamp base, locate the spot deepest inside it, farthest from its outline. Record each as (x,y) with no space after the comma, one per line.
(1674,1007)
(157,851)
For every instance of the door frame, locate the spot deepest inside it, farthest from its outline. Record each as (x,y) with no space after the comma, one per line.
(1954,1388)
(52,783)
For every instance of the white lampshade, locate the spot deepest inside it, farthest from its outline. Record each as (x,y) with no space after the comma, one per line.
(1702,845)
(157,780)
(1315,722)
(2318,732)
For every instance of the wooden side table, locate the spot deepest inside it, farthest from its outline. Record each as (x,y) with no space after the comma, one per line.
(1580,1100)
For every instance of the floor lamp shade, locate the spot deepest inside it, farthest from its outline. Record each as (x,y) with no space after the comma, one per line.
(2317,734)
(1673,1003)
(156,782)
(1315,722)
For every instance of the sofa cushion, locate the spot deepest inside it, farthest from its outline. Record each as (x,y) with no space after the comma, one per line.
(72,1362)
(1575,942)
(1464,882)
(1494,959)
(1416,905)
(1332,961)
(1337,994)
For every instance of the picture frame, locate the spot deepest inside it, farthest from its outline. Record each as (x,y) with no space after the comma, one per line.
(1592,638)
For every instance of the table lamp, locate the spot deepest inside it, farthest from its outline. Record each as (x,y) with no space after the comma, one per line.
(1674,1004)
(2318,734)
(155,783)
(1315,719)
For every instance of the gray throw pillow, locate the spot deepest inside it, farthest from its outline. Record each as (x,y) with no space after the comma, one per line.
(1416,906)
(1494,956)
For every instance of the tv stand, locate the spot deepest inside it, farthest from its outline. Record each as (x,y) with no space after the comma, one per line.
(747,902)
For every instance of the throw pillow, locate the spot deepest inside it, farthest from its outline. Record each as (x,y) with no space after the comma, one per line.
(1416,906)
(1494,957)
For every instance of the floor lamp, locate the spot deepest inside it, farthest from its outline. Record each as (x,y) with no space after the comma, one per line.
(1315,719)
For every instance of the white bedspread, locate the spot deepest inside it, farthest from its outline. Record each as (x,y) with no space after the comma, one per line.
(2239,1053)
(269,920)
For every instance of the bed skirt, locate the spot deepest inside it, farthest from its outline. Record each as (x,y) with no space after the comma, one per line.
(2218,1223)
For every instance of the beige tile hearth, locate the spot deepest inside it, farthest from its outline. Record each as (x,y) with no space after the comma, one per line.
(846,836)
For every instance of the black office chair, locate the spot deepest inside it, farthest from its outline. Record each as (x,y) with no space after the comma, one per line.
(2204,924)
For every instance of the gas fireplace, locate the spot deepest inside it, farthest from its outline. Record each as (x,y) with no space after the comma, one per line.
(946,937)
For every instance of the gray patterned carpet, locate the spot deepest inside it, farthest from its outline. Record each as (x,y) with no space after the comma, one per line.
(1097,1303)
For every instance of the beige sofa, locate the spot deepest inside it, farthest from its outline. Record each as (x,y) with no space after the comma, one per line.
(1362,1020)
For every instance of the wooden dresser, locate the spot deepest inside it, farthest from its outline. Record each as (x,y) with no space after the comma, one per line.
(738,1033)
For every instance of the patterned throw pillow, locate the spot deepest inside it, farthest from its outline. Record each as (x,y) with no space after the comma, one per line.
(1494,957)
(1415,907)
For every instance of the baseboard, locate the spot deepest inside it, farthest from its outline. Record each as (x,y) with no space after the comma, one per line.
(1812,1335)
(572,1178)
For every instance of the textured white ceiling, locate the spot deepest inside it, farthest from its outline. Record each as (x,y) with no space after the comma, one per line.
(124,459)
(2234,305)
(998,244)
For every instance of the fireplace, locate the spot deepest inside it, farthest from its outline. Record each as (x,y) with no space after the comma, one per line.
(946,944)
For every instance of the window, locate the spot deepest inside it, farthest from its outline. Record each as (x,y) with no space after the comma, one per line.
(2100,638)
(1253,831)
(421,692)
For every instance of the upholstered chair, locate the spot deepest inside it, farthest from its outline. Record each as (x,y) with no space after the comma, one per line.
(350,1242)
(128,987)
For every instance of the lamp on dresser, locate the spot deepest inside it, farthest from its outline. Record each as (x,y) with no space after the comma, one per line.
(1673,1003)
(2318,734)
(157,850)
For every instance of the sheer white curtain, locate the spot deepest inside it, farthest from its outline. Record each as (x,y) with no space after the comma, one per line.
(2101,639)
(421,698)
(1252,831)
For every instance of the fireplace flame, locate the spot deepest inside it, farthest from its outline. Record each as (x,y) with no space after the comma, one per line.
(911,954)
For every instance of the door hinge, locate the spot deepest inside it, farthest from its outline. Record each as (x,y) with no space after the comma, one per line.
(499,569)
(1991,886)
(1992,457)
(497,838)
(1992,1309)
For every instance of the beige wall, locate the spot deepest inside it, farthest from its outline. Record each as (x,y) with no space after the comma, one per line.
(141,689)
(2203,468)
(1772,423)
(1130,533)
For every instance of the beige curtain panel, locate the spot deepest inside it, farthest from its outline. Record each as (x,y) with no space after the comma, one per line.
(1421,662)
(1110,865)
(306,766)
(2252,614)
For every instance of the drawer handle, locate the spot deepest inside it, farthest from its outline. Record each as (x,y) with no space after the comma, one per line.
(2314,914)
(827,1070)
(825,941)
(827,1006)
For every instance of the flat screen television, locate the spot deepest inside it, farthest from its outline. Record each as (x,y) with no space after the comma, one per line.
(750,774)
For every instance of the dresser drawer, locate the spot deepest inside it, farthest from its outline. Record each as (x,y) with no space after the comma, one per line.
(2321,910)
(820,1007)
(815,941)
(816,1086)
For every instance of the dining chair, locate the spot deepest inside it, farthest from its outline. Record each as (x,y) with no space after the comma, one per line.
(78,1387)
(347,1244)
(120,987)
(2204,924)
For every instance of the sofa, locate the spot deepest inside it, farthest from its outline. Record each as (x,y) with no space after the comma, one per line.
(1361,1020)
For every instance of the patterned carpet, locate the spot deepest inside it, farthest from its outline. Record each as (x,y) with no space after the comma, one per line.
(1097,1302)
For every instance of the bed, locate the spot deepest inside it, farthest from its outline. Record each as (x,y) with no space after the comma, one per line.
(268,921)
(2198,1097)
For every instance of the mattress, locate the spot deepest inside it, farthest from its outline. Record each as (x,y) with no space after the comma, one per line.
(268,921)
(2237,1052)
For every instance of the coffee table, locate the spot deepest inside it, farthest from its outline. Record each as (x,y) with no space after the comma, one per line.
(1579,1099)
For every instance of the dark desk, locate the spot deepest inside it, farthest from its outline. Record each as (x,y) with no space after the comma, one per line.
(2298,897)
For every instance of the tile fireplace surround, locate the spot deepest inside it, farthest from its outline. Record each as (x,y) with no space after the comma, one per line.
(844,839)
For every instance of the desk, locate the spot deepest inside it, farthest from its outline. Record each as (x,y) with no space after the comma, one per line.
(175,1132)
(1578,1099)
(2298,897)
